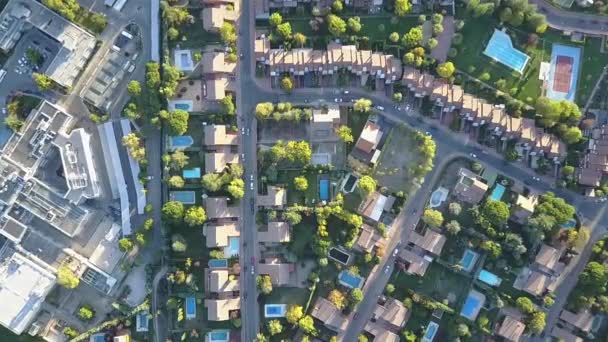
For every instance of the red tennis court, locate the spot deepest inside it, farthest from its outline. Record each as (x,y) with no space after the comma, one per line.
(563,74)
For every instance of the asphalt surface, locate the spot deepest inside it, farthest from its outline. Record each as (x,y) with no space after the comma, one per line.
(572,21)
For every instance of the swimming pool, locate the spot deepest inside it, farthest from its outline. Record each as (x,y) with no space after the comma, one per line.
(472,305)
(468,260)
(500,48)
(324,189)
(185,196)
(180,141)
(339,255)
(182,106)
(438,196)
(192,173)
(233,247)
(275,310)
(350,280)
(570,224)
(141,322)
(190,307)
(489,278)
(497,193)
(218,263)
(219,336)
(431,331)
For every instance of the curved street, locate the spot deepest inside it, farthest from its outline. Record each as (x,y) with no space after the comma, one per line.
(572,21)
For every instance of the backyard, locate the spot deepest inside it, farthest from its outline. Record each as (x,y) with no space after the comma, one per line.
(193,35)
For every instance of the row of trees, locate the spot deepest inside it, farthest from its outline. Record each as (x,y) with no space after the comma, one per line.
(71,10)
(174,213)
(230,180)
(282,111)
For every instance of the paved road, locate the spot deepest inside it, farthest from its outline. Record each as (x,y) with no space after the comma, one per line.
(572,21)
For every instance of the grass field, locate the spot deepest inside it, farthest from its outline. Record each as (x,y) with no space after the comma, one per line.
(7,336)
(194,36)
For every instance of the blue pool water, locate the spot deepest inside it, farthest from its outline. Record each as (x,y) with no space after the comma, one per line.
(275,310)
(186,197)
(181,141)
(99,338)
(350,280)
(431,331)
(192,173)
(501,49)
(497,193)
(182,106)
(233,247)
(218,335)
(190,307)
(468,260)
(324,189)
(470,307)
(570,224)
(489,278)
(218,263)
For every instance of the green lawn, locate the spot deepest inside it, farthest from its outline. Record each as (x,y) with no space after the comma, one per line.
(301,237)
(193,36)
(592,63)
(286,295)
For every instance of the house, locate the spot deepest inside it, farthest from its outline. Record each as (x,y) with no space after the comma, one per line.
(510,329)
(217,135)
(325,121)
(214,62)
(217,236)
(547,259)
(391,315)
(564,335)
(582,320)
(375,205)
(218,281)
(368,141)
(369,238)
(523,208)
(122,338)
(469,188)
(216,162)
(277,232)
(213,17)
(329,315)
(414,262)
(595,162)
(220,309)
(431,242)
(279,272)
(533,282)
(217,208)
(276,198)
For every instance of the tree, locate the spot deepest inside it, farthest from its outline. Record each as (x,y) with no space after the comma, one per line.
(228,105)
(178,121)
(294,313)
(300,183)
(140,238)
(13,122)
(335,25)
(433,218)
(67,8)
(337,298)
(432,43)
(389,289)
(287,84)
(394,37)
(496,212)
(70,332)
(178,160)
(505,15)
(275,19)
(131,111)
(212,181)
(125,244)
(412,38)
(178,243)
(195,216)
(354,24)
(446,70)
(264,110)
(152,75)
(525,305)
(362,338)
(402,7)
(572,135)
(228,33)
(453,227)
(264,284)
(537,322)
(367,184)
(356,296)
(437,29)
(67,278)
(455,208)
(292,216)
(85,313)
(176,16)
(299,39)
(345,134)
(492,248)
(437,18)
(34,56)
(409,336)
(397,97)
(594,276)
(568,170)
(236,188)
(307,324)
(275,327)
(337,6)
(173,212)
(555,207)
(362,105)
(43,82)
(284,30)
(176,181)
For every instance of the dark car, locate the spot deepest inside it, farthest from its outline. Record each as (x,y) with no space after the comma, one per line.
(252,205)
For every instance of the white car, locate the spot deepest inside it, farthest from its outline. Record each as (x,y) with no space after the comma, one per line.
(379,108)
(473,155)
(251,186)
(336,100)
(346,92)
(252,270)
(251,177)
(387,269)
(396,251)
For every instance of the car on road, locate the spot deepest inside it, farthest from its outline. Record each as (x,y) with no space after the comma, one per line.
(252,205)
(387,268)
(473,155)
(252,270)
(396,251)
(243,130)
(243,156)
(428,133)
(251,186)
(251,177)
(356,316)
(248,131)
(242,56)
(379,108)
(346,92)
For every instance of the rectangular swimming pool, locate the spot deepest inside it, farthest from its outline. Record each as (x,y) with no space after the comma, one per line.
(219,336)
(500,48)
(192,173)
(233,247)
(324,189)
(497,193)
(470,307)
(185,196)
(339,255)
(489,278)
(190,307)
(218,263)
(431,331)
(468,260)
(350,280)
(275,310)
